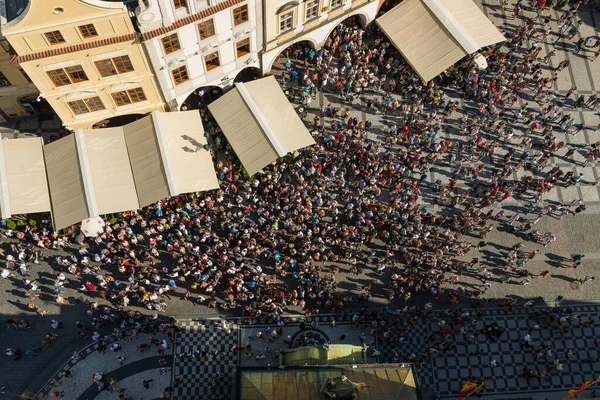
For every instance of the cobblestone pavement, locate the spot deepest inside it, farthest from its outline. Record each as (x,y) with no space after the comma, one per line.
(44,125)
(214,374)
(582,73)
(73,380)
(442,375)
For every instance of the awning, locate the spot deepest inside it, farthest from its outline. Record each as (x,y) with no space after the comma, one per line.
(23,176)
(108,162)
(185,147)
(103,171)
(146,163)
(65,181)
(259,123)
(433,35)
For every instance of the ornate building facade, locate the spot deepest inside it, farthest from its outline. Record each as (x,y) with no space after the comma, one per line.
(86,59)
(199,47)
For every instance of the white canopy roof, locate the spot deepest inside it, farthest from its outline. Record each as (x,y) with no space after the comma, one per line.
(110,170)
(65,180)
(259,123)
(146,163)
(433,35)
(103,171)
(24,188)
(184,148)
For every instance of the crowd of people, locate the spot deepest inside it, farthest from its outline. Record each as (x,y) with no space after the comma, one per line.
(278,240)
(348,204)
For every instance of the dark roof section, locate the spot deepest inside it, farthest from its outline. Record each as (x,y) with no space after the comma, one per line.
(14,8)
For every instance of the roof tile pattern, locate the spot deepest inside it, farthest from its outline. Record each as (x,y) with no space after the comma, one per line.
(72,49)
(191,19)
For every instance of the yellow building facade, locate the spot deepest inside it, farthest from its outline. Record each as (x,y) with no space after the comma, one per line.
(86,59)
(18,94)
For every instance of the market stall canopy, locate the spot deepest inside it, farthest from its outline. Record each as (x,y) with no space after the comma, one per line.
(102,171)
(433,35)
(67,190)
(148,171)
(259,123)
(184,148)
(110,170)
(24,188)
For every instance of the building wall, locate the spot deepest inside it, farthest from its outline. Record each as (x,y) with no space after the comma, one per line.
(315,30)
(19,87)
(193,50)
(115,37)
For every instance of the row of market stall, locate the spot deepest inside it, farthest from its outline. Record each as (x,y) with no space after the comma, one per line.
(103,171)
(433,35)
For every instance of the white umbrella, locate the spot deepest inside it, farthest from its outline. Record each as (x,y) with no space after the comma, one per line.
(480,62)
(92,227)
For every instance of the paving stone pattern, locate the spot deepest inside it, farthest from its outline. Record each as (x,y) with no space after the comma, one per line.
(89,361)
(44,125)
(581,72)
(443,374)
(449,370)
(206,335)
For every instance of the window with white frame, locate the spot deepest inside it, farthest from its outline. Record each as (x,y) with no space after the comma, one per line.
(286,21)
(312,9)
(336,3)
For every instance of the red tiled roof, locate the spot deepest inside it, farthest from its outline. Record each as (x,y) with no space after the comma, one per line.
(72,49)
(191,19)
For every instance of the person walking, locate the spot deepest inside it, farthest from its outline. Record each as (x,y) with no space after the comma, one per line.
(577,259)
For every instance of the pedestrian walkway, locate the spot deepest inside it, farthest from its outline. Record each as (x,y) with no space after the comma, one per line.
(205,351)
(449,370)
(123,370)
(442,373)
(581,72)
(44,125)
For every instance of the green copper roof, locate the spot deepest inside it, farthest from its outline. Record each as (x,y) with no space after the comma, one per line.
(326,355)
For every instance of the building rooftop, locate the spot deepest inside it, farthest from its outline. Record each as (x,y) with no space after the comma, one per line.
(323,355)
(11,9)
(384,382)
